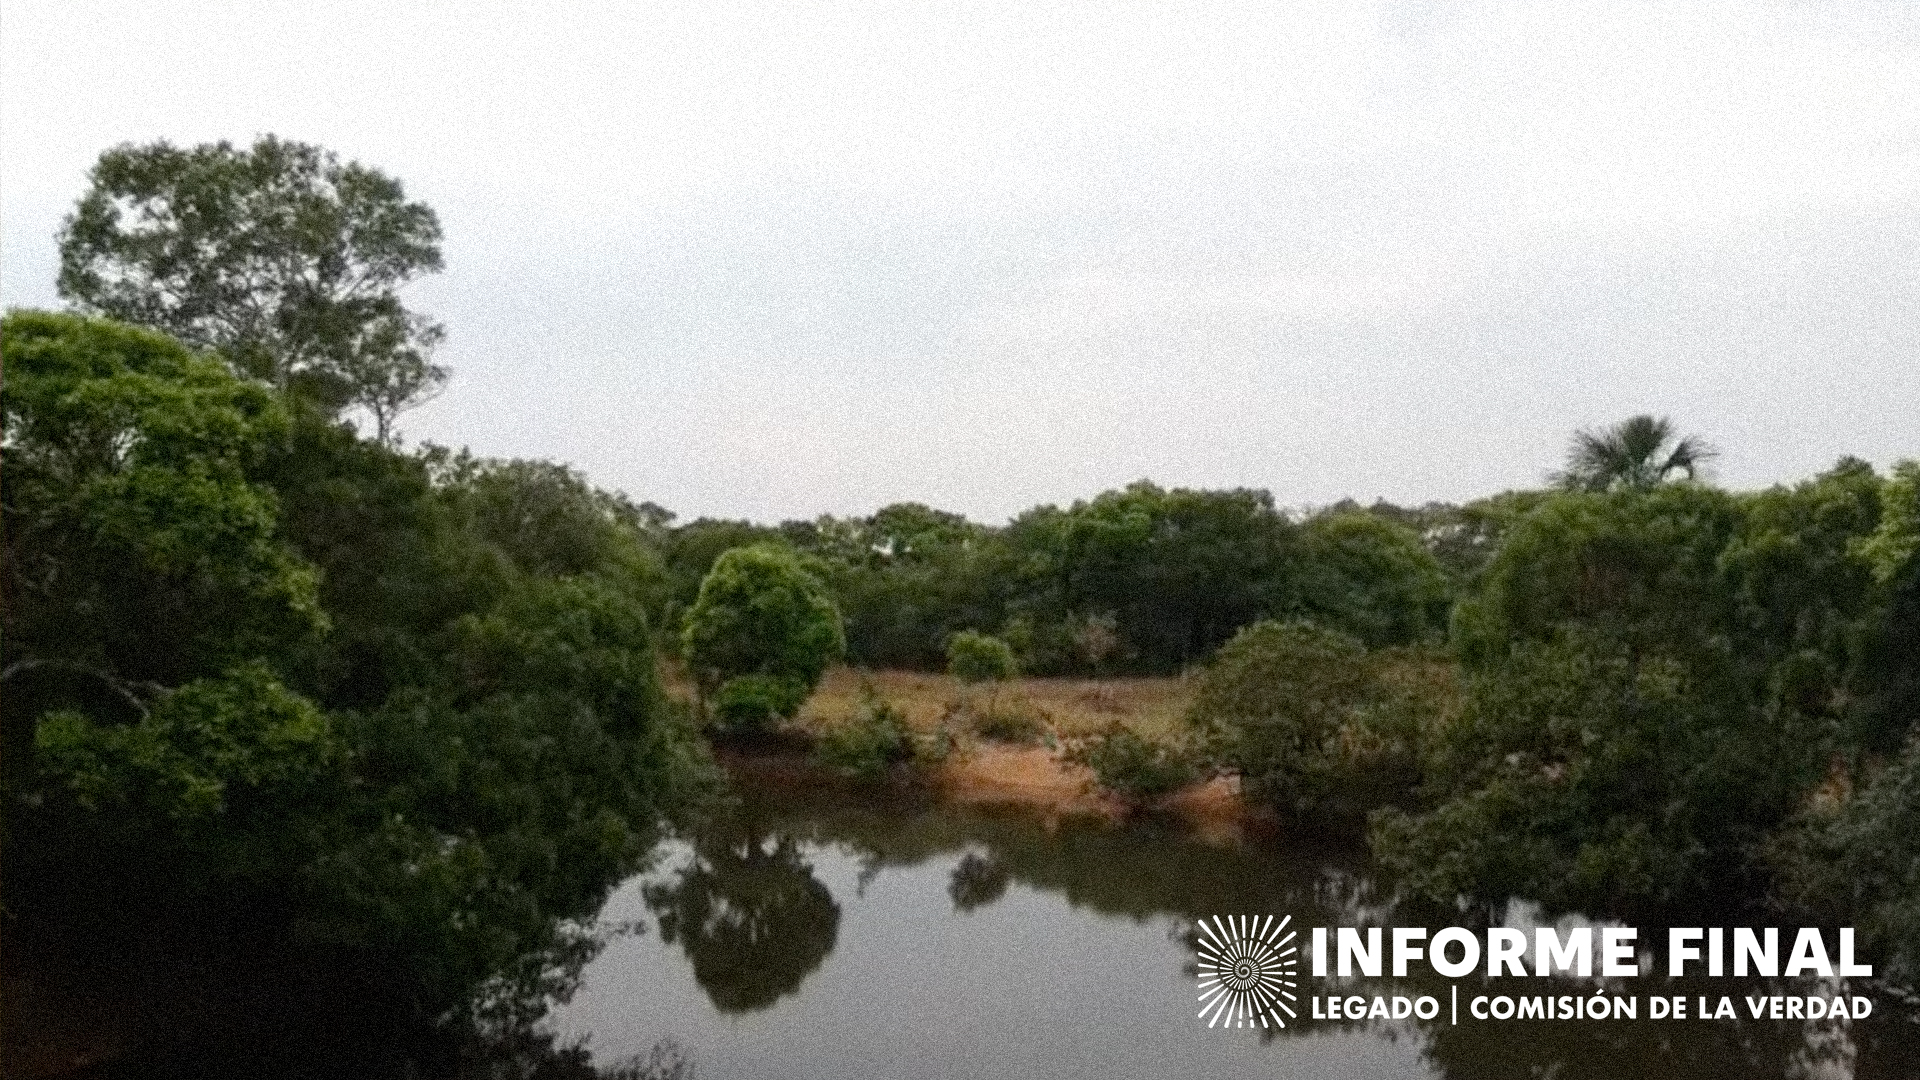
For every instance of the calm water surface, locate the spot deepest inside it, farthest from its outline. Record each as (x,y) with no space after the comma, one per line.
(815,936)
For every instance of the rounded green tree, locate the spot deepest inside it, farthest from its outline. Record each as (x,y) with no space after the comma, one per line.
(974,657)
(1276,705)
(760,634)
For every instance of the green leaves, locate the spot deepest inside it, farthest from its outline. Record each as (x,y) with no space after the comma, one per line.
(280,257)
(1135,768)
(973,657)
(1372,578)
(401,708)
(212,747)
(761,612)
(138,538)
(1275,706)
(1658,678)
(1892,548)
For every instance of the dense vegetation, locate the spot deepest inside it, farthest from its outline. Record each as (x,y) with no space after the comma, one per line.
(393,716)
(1141,580)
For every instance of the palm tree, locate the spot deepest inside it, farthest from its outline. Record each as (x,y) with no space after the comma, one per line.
(1638,452)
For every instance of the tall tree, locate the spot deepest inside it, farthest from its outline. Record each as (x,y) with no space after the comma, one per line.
(282,258)
(1638,452)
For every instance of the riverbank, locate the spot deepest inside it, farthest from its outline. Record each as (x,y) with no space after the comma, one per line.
(1029,776)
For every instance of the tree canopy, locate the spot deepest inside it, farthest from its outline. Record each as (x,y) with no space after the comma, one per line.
(279,256)
(765,626)
(401,709)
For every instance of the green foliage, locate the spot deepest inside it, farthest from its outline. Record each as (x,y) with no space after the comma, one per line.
(204,746)
(906,579)
(1858,863)
(1643,564)
(687,554)
(1138,580)
(547,520)
(279,256)
(1178,570)
(139,549)
(1369,577)
(758,702)
(1586,773)
(761,612)
(1657,678)
(1277,706)
(1892,548)
(865,745)
(973,657)
(400,710)
(1006,721)
(1857,860)
(1137,769)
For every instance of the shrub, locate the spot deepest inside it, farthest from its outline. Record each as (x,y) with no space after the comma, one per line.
(1278,706)
(1013,722)
(761,613)
(1135,768)
(757,702)
(973,657)
(866,744)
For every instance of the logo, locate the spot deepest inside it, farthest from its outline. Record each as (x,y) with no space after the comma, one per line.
(1247,971)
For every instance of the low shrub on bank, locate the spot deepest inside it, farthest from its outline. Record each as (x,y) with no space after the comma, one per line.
(871,741)
(1135,768)
(752,703)
(1313,723)
(1017,722)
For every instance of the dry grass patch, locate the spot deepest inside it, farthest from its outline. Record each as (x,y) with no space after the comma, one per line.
(1070,707)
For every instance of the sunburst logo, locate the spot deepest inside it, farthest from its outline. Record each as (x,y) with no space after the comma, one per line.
(1247,968)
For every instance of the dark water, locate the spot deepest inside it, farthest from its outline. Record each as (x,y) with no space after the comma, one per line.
(811,935)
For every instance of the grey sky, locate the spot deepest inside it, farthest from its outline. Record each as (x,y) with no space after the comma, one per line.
(783,259)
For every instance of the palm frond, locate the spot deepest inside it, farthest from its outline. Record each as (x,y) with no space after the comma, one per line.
(1630,454)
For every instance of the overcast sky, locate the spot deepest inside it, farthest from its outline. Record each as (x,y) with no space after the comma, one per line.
(784,259)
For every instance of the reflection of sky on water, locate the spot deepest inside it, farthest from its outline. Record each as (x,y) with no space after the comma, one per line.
(812,935)
(1026,985)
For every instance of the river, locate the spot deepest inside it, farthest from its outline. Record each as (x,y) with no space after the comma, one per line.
(814,933)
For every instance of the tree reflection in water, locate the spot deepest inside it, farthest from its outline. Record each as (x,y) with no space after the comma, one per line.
(1145,873)
(978,880)
(751,916)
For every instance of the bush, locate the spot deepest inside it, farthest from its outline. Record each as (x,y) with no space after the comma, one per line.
(869,742)
(1013,722)
(761,613)
(757,702)
(1551,777)
(973,657)
(1278,705)
(1134,768)
(1657,682)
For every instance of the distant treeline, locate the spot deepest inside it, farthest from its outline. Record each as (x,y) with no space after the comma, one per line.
(1142,580)
(388,723)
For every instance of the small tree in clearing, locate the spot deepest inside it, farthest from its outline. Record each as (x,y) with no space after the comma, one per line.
(974,657)
(760,634)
